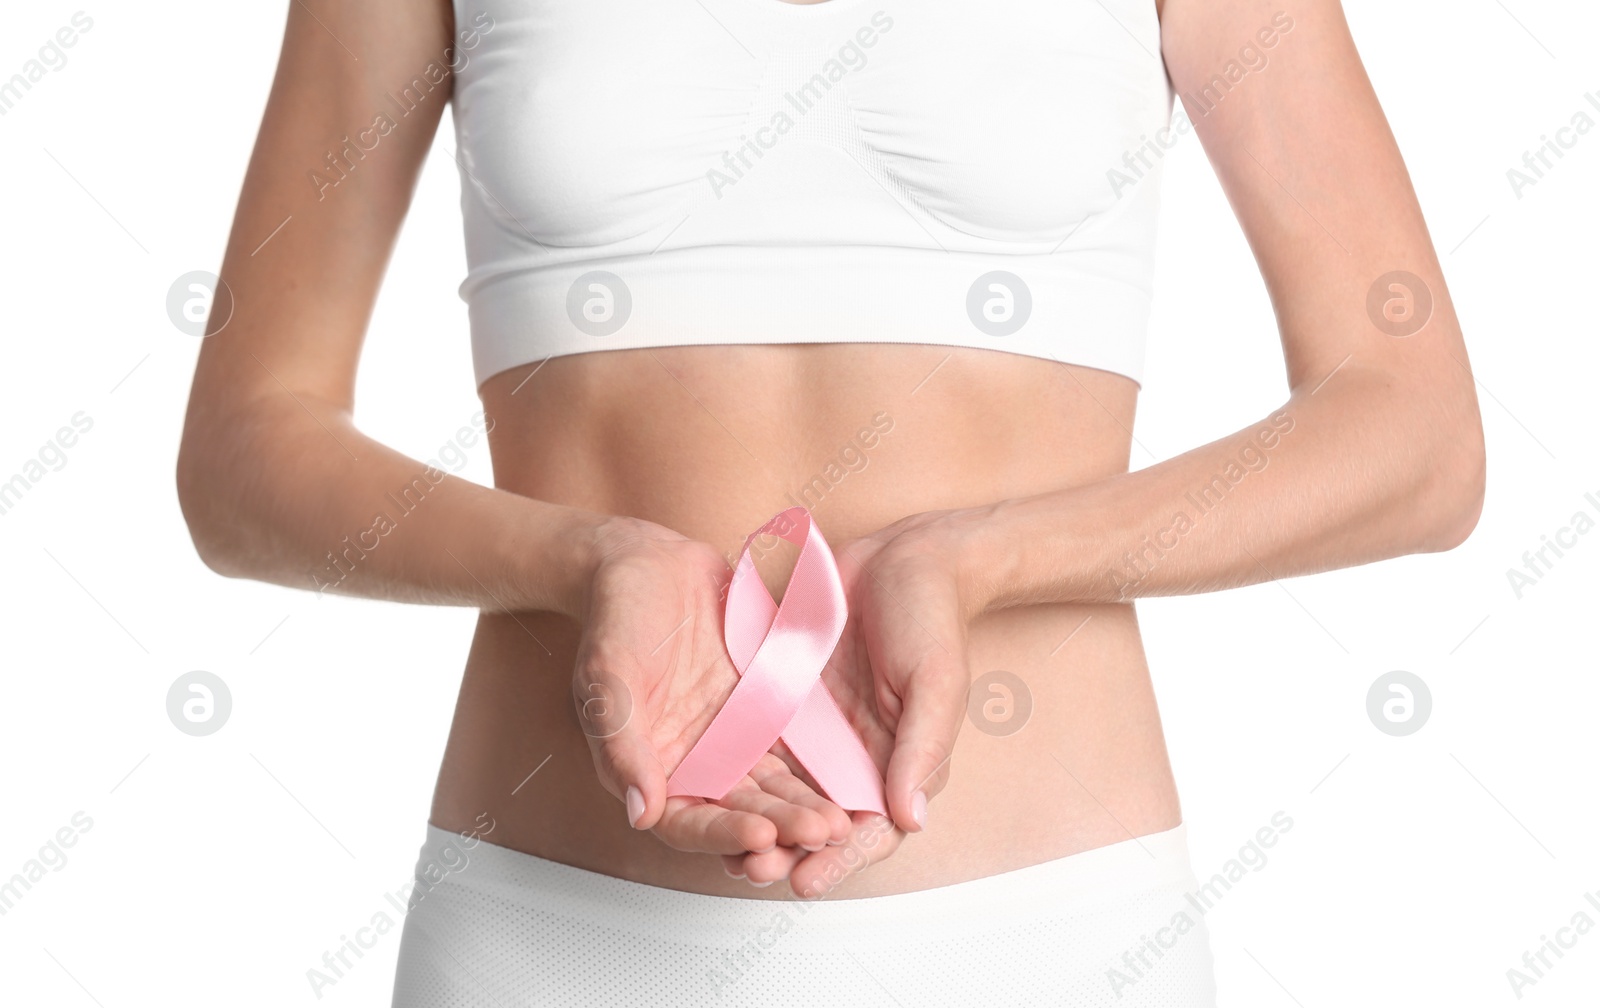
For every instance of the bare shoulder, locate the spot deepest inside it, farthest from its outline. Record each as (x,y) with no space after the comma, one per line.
(1281,101)
(353,108)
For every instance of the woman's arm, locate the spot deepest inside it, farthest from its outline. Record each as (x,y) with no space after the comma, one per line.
(277,484)
(1378,451)
(275,480)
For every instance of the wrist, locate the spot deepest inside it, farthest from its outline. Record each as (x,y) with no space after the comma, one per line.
(555,559)
(977,542)
(1018,552)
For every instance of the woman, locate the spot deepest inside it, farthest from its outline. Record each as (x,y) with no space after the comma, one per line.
(889,261)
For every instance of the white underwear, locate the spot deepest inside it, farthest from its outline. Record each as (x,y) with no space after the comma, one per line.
(493,927)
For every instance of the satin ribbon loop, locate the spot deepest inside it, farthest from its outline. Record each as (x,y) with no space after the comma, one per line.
(780,651)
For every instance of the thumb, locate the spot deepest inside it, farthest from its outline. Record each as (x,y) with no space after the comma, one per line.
(624,758)
(933,698)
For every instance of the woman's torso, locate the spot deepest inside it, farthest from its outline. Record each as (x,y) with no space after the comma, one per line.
(712,441)
(765,179)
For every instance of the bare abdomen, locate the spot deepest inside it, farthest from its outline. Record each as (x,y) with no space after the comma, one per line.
(1063,751)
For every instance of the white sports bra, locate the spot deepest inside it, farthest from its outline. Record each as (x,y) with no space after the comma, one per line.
(975,173)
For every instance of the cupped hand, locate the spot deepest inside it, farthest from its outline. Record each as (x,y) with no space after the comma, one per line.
(901,677)
(652,671)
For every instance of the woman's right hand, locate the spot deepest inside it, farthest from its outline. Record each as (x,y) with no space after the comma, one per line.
(652,671)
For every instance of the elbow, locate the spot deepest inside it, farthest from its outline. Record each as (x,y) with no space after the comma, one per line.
(1455,477)
(205,514)
(1459,517)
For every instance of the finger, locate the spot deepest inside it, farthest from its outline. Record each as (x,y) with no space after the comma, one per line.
(767,868)
(625,759)
(700,827)
(872,839)
(795,825)
(934,700)
(797,792)
(776,779)
(629,768)
(761,870)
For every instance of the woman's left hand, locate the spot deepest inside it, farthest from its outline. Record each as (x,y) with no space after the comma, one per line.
(900,675)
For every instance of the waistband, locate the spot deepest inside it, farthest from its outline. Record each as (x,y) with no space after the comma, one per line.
(1141,868)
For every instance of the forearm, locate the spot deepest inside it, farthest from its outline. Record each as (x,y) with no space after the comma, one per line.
(294,494)
(1342,475)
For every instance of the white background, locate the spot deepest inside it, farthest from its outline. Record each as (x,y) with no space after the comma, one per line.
(219,869)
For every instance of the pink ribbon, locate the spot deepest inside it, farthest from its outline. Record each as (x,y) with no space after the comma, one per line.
(780,651)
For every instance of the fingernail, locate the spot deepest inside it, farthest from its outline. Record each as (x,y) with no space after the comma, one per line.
(731,873)
(919,809)
(760,885)
(635,800)
(808,847)
(766,850)
(835,843)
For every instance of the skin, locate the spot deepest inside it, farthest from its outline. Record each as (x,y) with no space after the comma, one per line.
(990,529)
